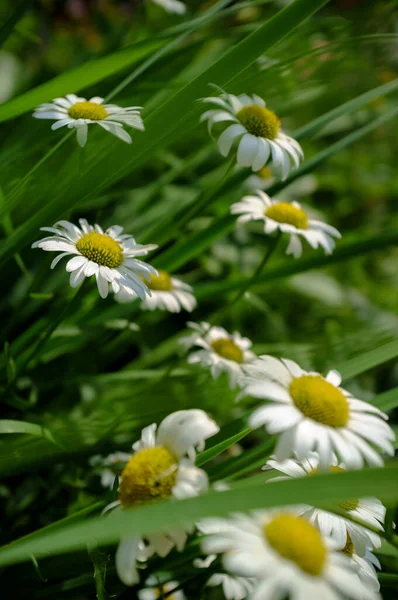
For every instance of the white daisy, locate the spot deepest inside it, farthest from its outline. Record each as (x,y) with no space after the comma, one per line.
(158,591)
(168,293)
(234,587)
(110,256)
(311,412)
(77,113)
(288,557)
(287,217)
(162,466)
(108,467)
(368,510)
(221,351)
(364,565)
(172,6)
(258,131)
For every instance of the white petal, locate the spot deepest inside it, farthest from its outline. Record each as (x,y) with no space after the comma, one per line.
(183,430)
(125,561)
(247,150)
(81,134)
(227,137)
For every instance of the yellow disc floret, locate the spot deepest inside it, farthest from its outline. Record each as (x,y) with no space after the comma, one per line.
(100,248)
(87,110)
(228,349)
(319,400)
(284,212)
(349,547)
(297,540)
(149,476)
(265,173)
(162,283)
(259,121)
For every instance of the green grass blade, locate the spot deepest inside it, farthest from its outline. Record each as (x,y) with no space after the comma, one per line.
(13,19)
(10,426)
(369,360)
(334,487)
(387,400)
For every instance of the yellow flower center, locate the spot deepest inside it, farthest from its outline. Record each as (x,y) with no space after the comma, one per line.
(265,173)
(346,504)
(259,121)
(284,212)
(297,540)
(149,476)
(319,400)
(349,547)
(101,248)
(87,110)
(228,349)
(162,283)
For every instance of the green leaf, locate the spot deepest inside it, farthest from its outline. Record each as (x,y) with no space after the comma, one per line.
(345,250)
(209,454)
(10,426)
(387,400)
(319,490)
(369,360)
(77,79)
(13,19)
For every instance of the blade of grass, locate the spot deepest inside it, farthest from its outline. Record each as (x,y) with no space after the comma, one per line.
(160,517)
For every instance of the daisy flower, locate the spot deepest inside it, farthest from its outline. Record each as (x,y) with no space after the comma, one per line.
(109,467)
(161,467)
(78,113)
(168,293)
(365,565)
(257,131)
(156,591)
(369,510)
(286,217)
(172,6)
(234,587)
(111,256)
(312,412)
(221,351)
(288,557)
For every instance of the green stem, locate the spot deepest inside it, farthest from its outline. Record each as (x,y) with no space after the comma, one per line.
(44,337)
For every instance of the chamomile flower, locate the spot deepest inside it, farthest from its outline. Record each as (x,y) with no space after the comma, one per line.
(78,113)
(287,217)
(365,565)
(111,256)
(369,510)
(158,591)
(234,587)
(257,131)
(172,6)
(162,466)
(167,293)
(287,557)
(109,467)
(312,412)
(220,350)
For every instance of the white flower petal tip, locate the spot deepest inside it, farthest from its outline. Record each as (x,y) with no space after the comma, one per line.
(281,554)
(168,454)
(254,131)
(167,293)
(78,113)
(219,350)
(311,412)
(172,6)
(288,218)
(111,256)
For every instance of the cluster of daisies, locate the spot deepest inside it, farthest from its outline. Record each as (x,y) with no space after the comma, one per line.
(300,552)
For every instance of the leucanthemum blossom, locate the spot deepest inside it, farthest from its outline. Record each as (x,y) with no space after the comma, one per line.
(109,467)
(369,510)
(311,412)
(167,293)
(286,217)
(172,6)
(234,587)
(257,131)
(365,566)
(158,591)
(111,256)
(220,350)
(78,113)
(161,467)
(287,557)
